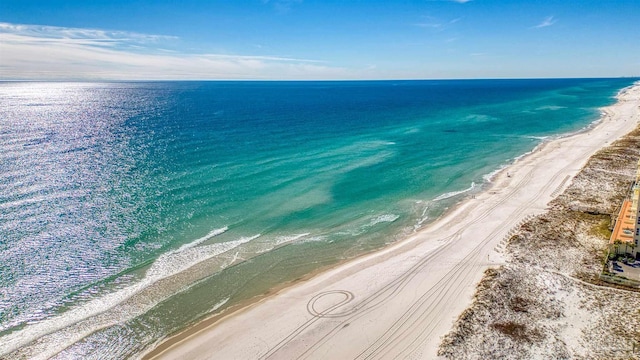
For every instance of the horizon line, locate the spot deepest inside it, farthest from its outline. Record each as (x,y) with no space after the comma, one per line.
(316,80)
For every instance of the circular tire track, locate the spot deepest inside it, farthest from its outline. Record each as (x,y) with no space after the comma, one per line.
(328,313)
(380,297)
(433,297)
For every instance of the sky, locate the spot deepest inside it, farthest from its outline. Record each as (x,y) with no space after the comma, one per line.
(308,40)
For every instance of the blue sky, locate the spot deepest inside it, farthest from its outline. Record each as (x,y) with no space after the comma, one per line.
(304,39)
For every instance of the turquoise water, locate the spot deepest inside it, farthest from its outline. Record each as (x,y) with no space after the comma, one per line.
(129,210)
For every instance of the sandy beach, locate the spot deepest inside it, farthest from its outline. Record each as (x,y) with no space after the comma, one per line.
(400,301)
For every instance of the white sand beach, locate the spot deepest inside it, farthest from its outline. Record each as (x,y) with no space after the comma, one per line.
(400,301)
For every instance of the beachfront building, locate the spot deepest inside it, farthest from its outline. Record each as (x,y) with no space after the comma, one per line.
(626,232)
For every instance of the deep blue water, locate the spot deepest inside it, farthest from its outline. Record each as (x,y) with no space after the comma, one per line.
(110,193)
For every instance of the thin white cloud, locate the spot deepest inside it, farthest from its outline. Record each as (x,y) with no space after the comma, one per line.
(99,36)
(57,53)
(434,23)
(548,21)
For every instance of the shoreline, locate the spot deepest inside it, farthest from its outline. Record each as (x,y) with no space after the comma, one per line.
(364,281)
(550,287)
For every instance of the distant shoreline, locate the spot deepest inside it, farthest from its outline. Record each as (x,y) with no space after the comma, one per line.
(192,340)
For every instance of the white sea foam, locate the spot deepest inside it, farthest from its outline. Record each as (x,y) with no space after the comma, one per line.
(219,304)
(313,239)
(357,231)
(383,218)
(423,217)
(424,211)
(489,177)
(519,157)
(174,262)
(166,265)
(199,241)
(281,240)
(536,137)
(235,258)
(455,193)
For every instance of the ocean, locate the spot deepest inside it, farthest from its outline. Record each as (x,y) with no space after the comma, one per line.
(130,210)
